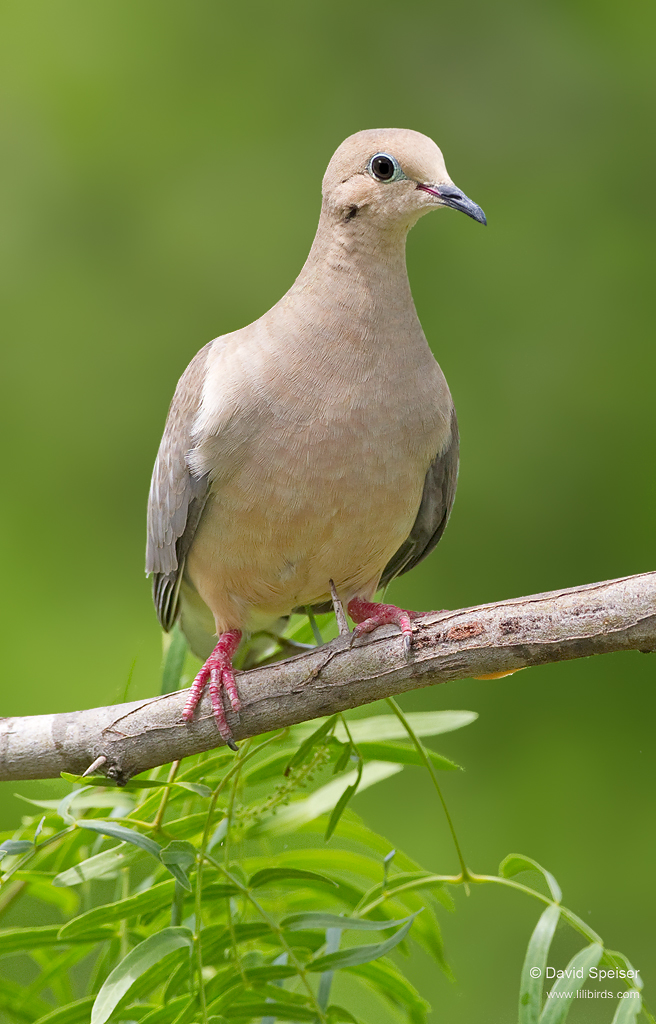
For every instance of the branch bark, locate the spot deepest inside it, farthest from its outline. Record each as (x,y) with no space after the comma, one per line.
(488,640)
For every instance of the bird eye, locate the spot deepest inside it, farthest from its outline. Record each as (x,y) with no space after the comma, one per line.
(384,168)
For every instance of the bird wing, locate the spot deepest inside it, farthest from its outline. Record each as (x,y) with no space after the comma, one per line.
(177,494)
(436,501)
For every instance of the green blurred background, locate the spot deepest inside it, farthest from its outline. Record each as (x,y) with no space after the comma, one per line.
(162,166)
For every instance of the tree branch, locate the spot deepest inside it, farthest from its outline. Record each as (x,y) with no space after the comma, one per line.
(492,639)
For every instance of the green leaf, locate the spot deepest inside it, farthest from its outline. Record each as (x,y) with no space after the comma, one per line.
(114,794)
(345,757)
(14,847)
(285,1011)
(129,835)
(63,807)
(325,798)
(40,887)
(317,920)
(169,1014)
(194,787)
(402,753)
(102,865)
(174,661)
(515,863)
(535,962)
(612,958)
(360,954)
(202,769)
(384,977)
(342,803)
(15,940)
(388,727)
(136,963)
(157,897)
(338,1015)
(254,773)
(270,972)
(125,835)
(178,857)
(15,1001)
(75,1013)
(628,1008)
(312,740)
(280,874)
(218,890)
(558,1004)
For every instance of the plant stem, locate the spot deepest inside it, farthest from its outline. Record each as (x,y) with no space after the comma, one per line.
(159,817)
(316,632)
(226,860)
(421,750)
(300,970)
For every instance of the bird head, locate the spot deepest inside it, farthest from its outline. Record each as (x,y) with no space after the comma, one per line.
(391,177)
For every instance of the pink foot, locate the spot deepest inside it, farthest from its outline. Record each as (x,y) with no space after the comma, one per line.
(369,614)
(218,669)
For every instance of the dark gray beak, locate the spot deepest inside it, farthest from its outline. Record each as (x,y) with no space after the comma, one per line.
(457,200)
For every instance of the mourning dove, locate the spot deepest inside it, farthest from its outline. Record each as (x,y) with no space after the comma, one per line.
(318,443)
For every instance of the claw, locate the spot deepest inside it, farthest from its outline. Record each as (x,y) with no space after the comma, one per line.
(218,671)
(368,615)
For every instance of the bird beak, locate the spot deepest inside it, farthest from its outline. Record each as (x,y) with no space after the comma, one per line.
(457,200)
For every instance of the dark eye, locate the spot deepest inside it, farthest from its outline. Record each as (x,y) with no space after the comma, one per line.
(384,167)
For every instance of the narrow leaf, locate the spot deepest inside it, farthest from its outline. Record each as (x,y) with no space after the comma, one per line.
(402,753)
(333,941)
(178,857)
(559,1001)
(338,1015)
(342,803)
(312,740)
(137,962)
(14,847)
(360,954)
(535,962)
(312,920)
(129,835)
(388,727)
(514,863)
(628,1008)
(218,890)
(291,1012)
(13,940)
(102,865)
(345,757)
(155,898)
(194,787)
(74,1013)
(174,661)
(383,976)
(126,835)
(280,874)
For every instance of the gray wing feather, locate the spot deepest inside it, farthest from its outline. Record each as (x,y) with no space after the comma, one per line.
(177,497)
(436,501)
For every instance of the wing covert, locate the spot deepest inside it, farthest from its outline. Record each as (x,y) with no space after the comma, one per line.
(177,496)
(436,502)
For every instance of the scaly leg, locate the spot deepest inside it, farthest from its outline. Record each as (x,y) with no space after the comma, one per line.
(369,614)
(220,673)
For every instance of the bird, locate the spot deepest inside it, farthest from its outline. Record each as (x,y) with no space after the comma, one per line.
(320,442)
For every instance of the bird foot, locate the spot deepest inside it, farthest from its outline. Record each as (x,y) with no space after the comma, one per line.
(220,673)
(369,614)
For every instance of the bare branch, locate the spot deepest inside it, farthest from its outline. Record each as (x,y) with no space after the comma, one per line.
(490,640)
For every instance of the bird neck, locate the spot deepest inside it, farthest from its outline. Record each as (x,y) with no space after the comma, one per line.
(360,266)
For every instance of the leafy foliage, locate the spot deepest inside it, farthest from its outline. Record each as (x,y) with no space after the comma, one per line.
(206,891)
